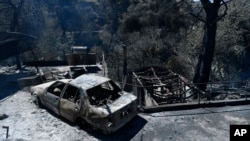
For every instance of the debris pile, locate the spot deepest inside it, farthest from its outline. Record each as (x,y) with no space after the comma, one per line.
(3,116)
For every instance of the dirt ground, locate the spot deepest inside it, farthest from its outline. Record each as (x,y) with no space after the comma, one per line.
(26,122)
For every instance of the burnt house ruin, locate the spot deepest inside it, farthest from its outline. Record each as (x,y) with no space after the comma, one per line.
(155,86)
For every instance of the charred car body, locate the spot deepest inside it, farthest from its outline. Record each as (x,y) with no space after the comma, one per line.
(90,99)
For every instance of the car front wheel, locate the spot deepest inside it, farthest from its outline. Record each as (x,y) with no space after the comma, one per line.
(38,102)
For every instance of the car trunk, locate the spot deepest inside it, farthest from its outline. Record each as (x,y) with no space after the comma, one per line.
(118,113)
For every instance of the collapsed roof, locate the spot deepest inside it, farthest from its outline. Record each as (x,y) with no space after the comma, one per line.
(14,43)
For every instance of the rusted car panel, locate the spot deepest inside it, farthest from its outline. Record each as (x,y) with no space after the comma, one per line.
(93,99)
(113,115)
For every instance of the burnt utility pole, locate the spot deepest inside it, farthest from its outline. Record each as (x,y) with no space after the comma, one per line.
(203,67)
(125,64)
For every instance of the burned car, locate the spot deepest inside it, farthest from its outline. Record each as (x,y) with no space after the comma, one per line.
(97,101)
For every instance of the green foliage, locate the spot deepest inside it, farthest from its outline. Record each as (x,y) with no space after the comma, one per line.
(132,24)
(233,41)
(32,18)
(68,17)
(169,15)
(154,31)
(180,65)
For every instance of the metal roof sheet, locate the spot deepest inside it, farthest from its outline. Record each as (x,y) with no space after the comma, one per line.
(88,81)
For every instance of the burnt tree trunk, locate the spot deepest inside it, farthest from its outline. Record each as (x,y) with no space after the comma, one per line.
(15,23)
(203,68)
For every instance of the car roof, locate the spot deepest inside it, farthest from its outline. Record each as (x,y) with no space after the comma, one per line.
(88,81)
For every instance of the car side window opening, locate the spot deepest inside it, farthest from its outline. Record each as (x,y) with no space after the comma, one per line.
(56,88)
(72,94)
(104,93)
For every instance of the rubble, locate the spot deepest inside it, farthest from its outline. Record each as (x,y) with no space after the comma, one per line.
(78,62)
(159,89)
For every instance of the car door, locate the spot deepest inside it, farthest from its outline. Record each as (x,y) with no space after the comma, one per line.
(52,96)
(70,104)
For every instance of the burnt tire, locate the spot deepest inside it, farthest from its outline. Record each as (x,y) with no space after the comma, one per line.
(81,123)
(38,102)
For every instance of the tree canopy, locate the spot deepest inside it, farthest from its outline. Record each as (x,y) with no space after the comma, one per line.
(155,32)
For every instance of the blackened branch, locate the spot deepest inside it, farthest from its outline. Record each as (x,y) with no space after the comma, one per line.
(197,17)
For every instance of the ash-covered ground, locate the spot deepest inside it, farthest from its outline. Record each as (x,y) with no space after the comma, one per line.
(26,122)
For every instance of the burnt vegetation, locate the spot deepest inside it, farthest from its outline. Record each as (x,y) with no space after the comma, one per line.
(204,41)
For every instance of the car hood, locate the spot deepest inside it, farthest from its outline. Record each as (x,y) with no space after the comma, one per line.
(123,101)
(46,85)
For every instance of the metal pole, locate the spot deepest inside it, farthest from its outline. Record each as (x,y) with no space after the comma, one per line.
(199,97)
(210,91)
(246,89)
(125,64)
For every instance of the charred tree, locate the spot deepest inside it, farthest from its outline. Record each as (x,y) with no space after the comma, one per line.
(15,22)
(203,67)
